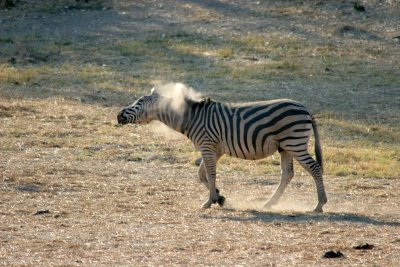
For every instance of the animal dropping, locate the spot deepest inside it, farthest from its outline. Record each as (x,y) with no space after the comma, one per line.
(249,131)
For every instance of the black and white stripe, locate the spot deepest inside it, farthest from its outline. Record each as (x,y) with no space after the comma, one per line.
(249,131)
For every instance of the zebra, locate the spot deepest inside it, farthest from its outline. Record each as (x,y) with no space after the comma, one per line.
(248,131)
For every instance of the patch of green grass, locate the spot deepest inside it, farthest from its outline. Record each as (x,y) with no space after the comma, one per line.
(132,49)
(364,134)
(255,42)
(65,74)
(358,149)
(286,43)
(243,72)
(6,40)
(225,52)
(135,158)
(17,76)
(355,160)
(288,65)
(63,43)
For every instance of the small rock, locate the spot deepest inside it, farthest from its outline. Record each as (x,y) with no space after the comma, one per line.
(29,187)
(333,254)
(358,7)
(364,246)
(41,212)
(12,60)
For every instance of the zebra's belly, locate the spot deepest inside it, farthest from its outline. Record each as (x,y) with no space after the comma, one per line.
(250,154)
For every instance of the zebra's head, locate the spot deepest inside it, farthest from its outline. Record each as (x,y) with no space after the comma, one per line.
(140,112)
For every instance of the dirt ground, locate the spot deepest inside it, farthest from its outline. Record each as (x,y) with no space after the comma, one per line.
(148,214)
(77,191)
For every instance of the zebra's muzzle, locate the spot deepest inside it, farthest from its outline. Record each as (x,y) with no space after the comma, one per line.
(122,119)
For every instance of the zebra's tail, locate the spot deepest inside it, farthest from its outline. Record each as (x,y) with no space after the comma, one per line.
(317,146)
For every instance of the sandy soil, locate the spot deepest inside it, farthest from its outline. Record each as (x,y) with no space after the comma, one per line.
(148,214)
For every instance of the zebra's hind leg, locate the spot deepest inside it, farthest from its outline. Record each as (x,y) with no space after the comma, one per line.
(203,178)
(310,165)
(287,175)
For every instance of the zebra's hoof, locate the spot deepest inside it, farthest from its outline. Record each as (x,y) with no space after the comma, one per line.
(206,205)
(268,205)
(221,201)
(198,161)
(318,210)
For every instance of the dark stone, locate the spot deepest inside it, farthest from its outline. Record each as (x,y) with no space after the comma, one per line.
(41,212)
(333,254)
(364,246)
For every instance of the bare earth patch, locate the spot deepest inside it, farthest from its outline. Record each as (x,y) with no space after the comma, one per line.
(148,214)
(77,190)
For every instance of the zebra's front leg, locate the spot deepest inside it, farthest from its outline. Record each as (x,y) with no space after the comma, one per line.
(207,174)
(203,178)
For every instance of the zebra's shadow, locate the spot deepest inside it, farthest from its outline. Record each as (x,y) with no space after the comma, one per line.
(304,217)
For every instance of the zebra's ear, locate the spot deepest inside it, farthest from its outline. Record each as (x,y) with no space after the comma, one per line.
(154,91)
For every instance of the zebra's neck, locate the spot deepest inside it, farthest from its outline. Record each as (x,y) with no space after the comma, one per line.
(187,119)
(174,117)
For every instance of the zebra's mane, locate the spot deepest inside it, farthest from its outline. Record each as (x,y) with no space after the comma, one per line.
(201,102)
(205,100)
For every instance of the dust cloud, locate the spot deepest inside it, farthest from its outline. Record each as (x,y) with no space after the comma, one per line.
(159,129)
(176,93)
(286,204)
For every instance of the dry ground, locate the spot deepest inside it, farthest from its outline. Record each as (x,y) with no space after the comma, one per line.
(77,190)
